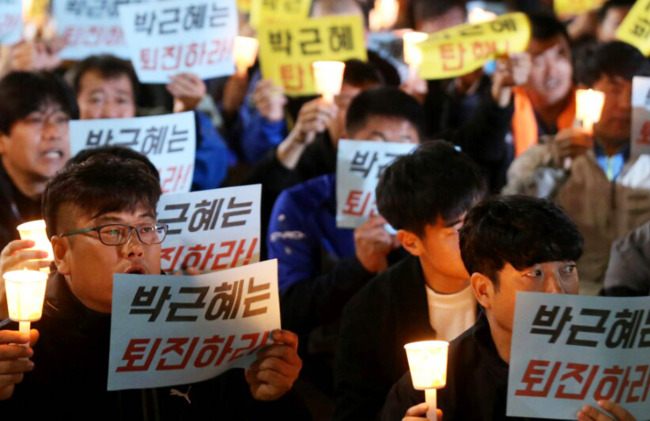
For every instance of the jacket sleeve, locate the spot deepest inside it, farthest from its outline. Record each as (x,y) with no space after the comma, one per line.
(628,272)
(361,384)
(401,397)
(212,155)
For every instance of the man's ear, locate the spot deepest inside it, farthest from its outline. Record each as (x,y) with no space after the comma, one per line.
(4,139)
(483,289)
(61,249)
(410,242)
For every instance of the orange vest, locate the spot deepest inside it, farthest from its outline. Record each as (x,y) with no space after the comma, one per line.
(524,123)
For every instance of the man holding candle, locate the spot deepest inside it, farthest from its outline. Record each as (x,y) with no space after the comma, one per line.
(424,196)
(93,208)
(508,244)
(580,172)
(35,109)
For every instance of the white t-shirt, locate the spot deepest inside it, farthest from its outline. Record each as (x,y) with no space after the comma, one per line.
(451,314)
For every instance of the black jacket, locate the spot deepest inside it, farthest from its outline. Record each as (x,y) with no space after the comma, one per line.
(477,382)
(71,372)
(15,208)
(386,314)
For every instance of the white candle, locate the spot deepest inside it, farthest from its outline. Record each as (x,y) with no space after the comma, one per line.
(35,231)
(25,294)
(328,77)
(428,365)
(589,106)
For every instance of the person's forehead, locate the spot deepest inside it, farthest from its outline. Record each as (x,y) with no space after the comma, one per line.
(94,79)
(378,123)
(73,214)
(552,45)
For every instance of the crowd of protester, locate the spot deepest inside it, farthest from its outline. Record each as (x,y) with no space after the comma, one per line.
(501,187)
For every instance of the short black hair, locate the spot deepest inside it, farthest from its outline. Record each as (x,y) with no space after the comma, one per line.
(434,180)
(109,67)
(545,26)
(102,183)
(609,4)
(118,151)
(613,58)
(361,74)
(383,101)
(519,230)
(431,9)
(22,93)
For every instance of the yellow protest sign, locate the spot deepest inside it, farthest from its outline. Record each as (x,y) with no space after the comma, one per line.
(635,28)
(244,6)
(462,49)
(575,7)
(287,49)
(274,10)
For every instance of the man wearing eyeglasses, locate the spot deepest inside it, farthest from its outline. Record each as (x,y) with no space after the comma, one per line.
(100,215)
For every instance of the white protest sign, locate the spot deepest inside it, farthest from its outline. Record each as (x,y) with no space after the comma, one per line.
(359,164)
(171,330)
(179,36)
(169,141)
(569,350)
(91,27)
(640,136)
(211,229)
(11,21)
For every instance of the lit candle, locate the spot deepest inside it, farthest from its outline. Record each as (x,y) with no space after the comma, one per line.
(25,293)
(328,77)
(35,231)
(245,53)
(428,365)
(589,106)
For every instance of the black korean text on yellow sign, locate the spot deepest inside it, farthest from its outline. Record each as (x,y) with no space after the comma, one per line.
(276,10)
(635,28)
(575,7)
(288,49)
(462,49)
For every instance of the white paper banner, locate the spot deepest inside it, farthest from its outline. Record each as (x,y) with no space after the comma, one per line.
(569,350)
(11,21)
(640,136)
(212,229)
(171,330)
(169,141)
(91,27)
(358,167)
(179,36)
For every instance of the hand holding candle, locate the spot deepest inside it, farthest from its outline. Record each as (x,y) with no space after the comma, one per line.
(413,54)
(428,365)
(383,15)
(328,77)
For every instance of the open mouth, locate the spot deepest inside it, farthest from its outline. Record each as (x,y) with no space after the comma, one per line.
(135,270)
(53,154)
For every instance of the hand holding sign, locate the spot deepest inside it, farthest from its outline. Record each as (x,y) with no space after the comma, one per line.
(276,368)
(372,244)
(187,89)
(589,413)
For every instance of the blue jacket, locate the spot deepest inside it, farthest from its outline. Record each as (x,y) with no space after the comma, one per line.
(211,162)
(317,265)
(256,134)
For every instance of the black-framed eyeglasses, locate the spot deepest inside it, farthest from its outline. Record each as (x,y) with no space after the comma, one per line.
(118,234)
